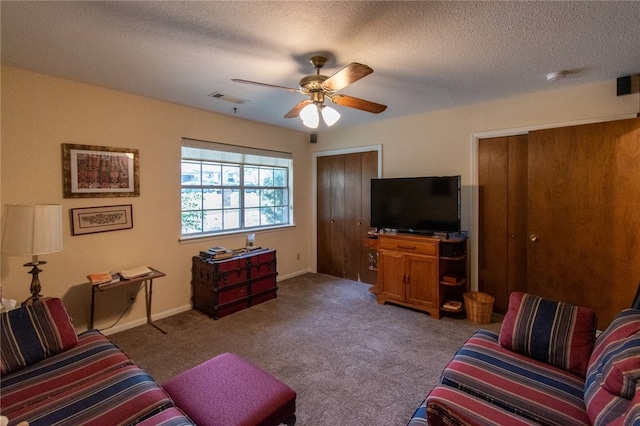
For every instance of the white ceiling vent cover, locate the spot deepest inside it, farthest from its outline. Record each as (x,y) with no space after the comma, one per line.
(228,98)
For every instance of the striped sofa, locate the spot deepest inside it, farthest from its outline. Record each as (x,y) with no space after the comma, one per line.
(545,367)
(51,376)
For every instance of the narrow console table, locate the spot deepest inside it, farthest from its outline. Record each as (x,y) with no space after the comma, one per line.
(148,292)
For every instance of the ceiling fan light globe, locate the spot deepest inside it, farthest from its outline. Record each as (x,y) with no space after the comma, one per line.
(330,116)
(310,116)
(309,112)
(311,125)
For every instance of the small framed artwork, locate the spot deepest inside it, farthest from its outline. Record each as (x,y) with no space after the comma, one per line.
(100,171)
(90,220)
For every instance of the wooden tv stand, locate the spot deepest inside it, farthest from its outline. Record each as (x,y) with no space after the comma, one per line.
(422,272)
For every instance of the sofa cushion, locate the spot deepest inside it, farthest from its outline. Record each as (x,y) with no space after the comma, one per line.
(123,396)
(94,355)
(446,406)
(557,333)
(614,369)
(34,332)
(532,389)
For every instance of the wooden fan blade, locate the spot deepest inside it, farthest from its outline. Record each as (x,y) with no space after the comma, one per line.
(347,75)
(290,89)
(351,102)
(295,111)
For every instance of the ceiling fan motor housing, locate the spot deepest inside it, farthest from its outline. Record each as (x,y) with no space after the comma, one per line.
(312,83)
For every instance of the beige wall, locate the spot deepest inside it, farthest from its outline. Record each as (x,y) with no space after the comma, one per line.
(440,142)
(39,113)
(444,142)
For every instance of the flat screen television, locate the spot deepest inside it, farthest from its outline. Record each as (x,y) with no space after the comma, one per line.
(416,204)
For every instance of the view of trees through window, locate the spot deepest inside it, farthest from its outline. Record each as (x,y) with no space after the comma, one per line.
(221,197)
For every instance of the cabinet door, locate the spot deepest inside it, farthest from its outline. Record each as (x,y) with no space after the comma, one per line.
(422,278)
(391,281)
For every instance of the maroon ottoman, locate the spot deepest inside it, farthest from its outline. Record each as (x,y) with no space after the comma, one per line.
(229,391)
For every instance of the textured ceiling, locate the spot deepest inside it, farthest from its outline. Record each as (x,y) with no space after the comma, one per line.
(426,56)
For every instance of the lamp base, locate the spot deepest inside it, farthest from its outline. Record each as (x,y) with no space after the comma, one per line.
(35,281)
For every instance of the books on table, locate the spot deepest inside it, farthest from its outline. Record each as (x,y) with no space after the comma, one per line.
(217,253)
(136,272)
(104,277)
(218,249)
(114,277)
(139,271)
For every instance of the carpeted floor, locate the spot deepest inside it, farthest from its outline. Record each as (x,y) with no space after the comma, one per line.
(350,360)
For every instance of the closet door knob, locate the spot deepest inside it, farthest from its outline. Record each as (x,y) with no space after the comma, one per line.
(534,238)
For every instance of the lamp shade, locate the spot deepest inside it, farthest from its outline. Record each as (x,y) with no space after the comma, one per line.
(32,229)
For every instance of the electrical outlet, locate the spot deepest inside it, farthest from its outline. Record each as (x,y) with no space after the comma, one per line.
(131,296)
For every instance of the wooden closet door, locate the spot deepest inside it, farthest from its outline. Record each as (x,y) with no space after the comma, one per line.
(353,216)
(343,210)
(331,215)
(583,220)
(368,171)
(502,237)
(323,206)
(517,211)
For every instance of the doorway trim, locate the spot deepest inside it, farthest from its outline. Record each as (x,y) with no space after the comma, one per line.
(474,197)
(314,191)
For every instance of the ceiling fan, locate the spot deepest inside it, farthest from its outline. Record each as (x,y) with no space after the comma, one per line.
(318,87)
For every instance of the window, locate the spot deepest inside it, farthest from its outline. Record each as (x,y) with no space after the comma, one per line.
(227,188)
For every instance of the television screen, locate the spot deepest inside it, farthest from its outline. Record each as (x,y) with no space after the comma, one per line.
(417,204)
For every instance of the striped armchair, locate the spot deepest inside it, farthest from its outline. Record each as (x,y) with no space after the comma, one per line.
(545,367)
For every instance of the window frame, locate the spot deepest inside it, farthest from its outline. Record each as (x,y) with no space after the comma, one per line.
(199,153)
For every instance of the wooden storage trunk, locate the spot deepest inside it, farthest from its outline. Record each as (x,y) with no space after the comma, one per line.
(222,287)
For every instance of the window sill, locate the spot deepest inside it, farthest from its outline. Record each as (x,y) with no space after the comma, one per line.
(199,238)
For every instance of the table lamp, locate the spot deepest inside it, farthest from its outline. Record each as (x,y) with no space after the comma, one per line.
(32,230)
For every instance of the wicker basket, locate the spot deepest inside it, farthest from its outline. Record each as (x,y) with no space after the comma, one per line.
(479,307)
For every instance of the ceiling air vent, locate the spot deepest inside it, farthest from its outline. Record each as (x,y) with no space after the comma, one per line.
(228,98)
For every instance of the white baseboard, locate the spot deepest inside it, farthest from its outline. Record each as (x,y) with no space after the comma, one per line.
(171,312)
(293,274)
(143,321)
